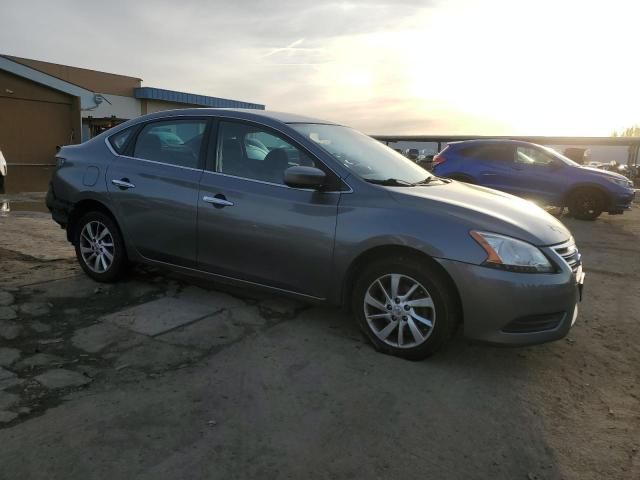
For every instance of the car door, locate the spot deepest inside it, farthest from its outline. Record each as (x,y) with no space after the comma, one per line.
(495,166)
(254,228)
(539,175)
(154,188)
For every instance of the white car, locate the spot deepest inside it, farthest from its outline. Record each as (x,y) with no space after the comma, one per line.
(3,171)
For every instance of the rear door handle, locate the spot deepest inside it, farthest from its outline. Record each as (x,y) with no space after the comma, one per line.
(124,183)
(218,201)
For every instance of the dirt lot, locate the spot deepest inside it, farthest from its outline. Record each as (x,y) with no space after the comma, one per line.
(166,377)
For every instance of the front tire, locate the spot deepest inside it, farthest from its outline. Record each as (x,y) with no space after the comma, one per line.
(99,247)
(586,204)
(405,306)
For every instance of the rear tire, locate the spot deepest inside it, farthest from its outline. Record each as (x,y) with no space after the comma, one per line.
(99,247)
(586,204)
(413,320)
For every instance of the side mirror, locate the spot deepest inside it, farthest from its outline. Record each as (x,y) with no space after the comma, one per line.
(304,177)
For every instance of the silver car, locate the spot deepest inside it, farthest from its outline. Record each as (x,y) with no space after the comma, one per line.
(320,211)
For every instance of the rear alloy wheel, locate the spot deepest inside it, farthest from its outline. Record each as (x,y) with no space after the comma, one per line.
(586,204)
(99,247)
(405,308)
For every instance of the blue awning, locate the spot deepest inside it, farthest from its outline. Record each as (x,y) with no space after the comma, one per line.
(162,95)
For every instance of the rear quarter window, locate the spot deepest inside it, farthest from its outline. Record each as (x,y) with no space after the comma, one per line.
(499,153)
(120,140)
(472,151)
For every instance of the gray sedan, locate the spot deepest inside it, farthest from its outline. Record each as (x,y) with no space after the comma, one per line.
(320,211)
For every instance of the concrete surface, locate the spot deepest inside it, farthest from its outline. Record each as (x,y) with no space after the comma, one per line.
(161,376)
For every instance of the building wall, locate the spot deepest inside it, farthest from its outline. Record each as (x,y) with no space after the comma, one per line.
(33,120)
(116,106)
(108,83)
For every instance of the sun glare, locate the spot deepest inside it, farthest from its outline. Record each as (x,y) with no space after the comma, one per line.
(561,67)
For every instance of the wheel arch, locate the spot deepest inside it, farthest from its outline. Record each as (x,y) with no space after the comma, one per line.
(385,251)
(83,206)
(586,186)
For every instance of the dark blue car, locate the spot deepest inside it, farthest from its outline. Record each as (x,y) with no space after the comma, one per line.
(537,173)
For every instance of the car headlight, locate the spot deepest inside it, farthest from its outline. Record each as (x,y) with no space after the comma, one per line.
(623,182)
(511,254)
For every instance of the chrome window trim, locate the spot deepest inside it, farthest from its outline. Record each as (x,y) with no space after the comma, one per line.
(227,175)
(162,163)
(218,117)
(281,185)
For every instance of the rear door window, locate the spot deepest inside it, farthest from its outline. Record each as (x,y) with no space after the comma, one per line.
(499,153)
(491,153)
(174,142)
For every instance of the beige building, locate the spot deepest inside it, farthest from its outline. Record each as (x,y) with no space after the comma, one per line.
(43,105)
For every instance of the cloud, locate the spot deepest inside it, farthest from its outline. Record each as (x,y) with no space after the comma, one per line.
(457,66)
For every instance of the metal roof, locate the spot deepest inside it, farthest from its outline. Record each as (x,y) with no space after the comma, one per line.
(162,95)
(87,97)
(544,140)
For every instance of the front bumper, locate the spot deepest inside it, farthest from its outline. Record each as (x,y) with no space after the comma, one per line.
(514,308)
(622,202)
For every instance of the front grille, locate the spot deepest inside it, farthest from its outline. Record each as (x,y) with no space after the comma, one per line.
(535,323)
(569,253)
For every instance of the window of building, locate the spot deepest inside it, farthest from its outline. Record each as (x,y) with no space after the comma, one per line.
(175,142)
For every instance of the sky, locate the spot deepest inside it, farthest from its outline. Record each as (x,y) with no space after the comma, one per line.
(486,67)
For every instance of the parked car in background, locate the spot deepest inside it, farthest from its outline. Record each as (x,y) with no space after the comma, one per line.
(413,154)
(3,172)
(327,214)
(577,154)
(538,173)
(425,160)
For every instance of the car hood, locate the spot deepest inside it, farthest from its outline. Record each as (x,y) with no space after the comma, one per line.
(604,173)
(485,209)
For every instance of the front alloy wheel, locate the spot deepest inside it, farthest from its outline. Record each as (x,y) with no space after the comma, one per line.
(406,305)
(399,311)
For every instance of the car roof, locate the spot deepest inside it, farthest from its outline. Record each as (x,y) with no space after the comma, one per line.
(492,141)
(241,113)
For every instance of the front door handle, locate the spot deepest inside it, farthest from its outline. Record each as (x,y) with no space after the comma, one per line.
(218,201)
(124,184)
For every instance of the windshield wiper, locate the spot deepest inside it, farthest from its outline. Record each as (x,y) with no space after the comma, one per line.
(389,182)
(426,181)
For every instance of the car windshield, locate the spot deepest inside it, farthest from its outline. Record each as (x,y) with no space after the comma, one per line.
(368,158)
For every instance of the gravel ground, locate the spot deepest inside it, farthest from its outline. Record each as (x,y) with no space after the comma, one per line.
(165,376)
